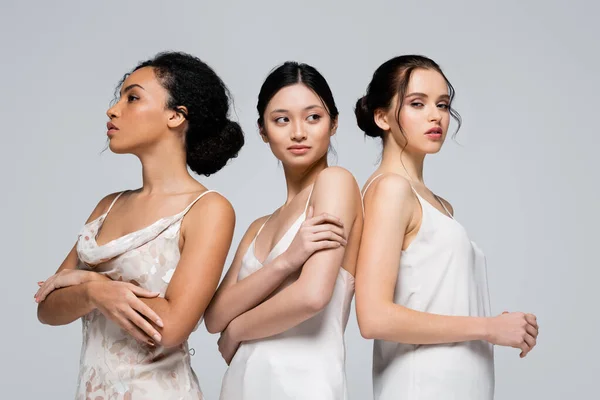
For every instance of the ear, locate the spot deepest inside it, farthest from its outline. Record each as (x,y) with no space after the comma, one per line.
(263,134)
(177,117)
(381,119)
(334,126)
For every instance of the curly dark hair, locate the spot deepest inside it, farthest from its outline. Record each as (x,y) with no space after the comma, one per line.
(211,139)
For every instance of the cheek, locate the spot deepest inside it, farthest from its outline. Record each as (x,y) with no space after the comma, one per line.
(144,114)
(277,137)
(276,134)
(321,132)
(410,120)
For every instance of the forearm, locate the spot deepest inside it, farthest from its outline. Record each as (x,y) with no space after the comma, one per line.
(245,295)
(65,305)
(395,323)
(283,311)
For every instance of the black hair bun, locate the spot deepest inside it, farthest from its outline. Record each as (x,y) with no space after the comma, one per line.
(365,118)
(207,155)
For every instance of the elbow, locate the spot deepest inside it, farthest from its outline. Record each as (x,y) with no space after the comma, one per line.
(42,315)
(368,329)
(170,338)
(212,326)
(369,321)
(212,323)
(316,300)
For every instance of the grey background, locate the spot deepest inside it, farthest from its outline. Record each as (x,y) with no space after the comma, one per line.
(524,179)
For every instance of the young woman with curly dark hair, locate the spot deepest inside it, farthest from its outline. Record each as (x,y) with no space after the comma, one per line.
(148,261)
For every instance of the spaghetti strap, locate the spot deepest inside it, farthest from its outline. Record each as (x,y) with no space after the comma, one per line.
(262,226)
(369,184)
(362,196)
(114,201)
(443,205)
(308,200)
(196,199)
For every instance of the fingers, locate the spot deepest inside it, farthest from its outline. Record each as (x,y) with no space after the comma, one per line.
(528,344)
(221,345)
(532,330)
(45,290)
(144,326)
(146,311)
(141,292)
(324,218)
(328,227)
(532,320)
(326,244)
(133,331)
(329,236)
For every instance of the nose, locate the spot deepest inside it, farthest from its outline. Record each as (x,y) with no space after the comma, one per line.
(434,114)
(298,132)
(112,112)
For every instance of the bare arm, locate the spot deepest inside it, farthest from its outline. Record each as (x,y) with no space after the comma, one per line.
(389,209)
(335,193)
(234,298)
(207,231)
(65,305)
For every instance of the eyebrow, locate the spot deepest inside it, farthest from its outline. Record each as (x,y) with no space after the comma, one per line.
(418,94)
(128,88)
(281,110)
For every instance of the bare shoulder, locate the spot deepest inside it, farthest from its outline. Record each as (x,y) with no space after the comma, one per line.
(390,199)
(337,179)
(390,188)
(255,226)
(212,206)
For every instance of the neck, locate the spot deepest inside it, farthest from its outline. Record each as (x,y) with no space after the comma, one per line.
(299,179)
(402,161)
(165,171)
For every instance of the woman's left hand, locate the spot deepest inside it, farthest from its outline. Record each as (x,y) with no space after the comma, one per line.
(228,346)
(64,278)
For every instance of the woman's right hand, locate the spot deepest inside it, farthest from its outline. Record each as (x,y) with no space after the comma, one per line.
(515,329)
(316,233)
(119,302)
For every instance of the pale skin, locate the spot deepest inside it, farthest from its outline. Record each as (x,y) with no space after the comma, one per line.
(298,284)
(155,134)
(392,219)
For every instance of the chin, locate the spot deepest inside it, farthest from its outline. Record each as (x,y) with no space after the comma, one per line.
(434,149)
(300,162)
(118,148)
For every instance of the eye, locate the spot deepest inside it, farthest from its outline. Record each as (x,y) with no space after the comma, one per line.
(131,98)
(417,104)
(281,120)
(314,117)
(444,106)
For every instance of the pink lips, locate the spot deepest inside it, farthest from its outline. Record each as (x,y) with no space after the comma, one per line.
(111,128)
(298,149)
(434,133)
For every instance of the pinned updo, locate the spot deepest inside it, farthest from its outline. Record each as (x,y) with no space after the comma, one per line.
(211,139)
(391,79)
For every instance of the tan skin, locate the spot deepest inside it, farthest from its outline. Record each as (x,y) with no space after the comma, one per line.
(155,134)
(299,283)
(393,218)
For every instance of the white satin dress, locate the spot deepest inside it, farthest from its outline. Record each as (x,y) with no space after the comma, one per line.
(304,362)
(442,272)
